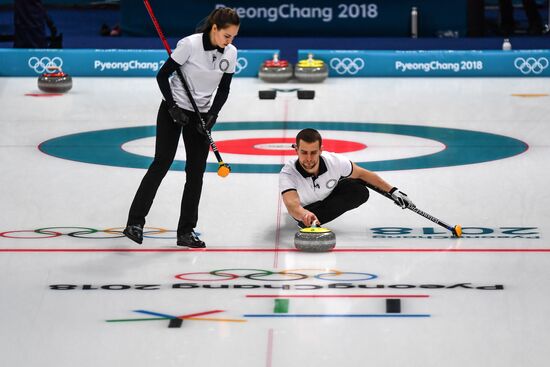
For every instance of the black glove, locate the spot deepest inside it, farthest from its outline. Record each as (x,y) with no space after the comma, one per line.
(209,122)
(400,198)
(178,115)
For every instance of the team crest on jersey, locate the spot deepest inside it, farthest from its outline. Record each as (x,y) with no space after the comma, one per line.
(331,183)
(224,65)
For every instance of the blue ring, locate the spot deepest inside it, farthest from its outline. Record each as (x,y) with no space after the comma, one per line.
(370,277)
(461,146)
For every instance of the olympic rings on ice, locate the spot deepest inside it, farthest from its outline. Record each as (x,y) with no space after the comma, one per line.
(222,275)
(83,232)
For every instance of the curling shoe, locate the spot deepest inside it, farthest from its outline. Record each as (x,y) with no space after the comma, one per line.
(191,240)
(134,232)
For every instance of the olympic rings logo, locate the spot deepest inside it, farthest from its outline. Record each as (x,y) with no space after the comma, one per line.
(224,65)
(45,64)
(347,65)
(83,232)
(242,63)
(531,65)
(223,275)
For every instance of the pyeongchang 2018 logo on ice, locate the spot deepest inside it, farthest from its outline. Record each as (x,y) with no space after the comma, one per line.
(127,65)
(307,295)
(303,280)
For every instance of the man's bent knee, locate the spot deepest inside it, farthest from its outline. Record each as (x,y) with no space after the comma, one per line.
(356,191)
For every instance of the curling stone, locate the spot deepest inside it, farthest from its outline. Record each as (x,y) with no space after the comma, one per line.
(275,71)
(56,82)
(314,239)
(311,70)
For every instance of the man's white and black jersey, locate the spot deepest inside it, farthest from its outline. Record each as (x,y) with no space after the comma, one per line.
(332,167)
(203,66)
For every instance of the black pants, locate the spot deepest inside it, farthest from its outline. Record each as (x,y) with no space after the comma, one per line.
(475,18)
(166,144)
(347,195)
(531,11)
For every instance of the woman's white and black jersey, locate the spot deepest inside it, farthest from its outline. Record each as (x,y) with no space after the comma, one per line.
(332,168)
(203,66)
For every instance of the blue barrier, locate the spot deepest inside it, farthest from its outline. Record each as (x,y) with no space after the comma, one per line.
(493,63)
(118,63)
(139,63)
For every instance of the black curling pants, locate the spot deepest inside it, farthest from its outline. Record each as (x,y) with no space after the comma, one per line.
(166,144)
(531,11)
(347,195)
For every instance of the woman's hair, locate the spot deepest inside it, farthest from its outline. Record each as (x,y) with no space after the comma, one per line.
(221,17)
(309,136)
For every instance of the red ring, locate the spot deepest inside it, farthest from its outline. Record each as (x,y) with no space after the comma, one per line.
(250,146)
(51,234)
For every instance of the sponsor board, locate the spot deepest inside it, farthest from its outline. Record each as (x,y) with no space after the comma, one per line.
(108,63)
(438,63)
(331,18)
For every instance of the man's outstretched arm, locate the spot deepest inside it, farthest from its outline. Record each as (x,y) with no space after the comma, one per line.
(295,208)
